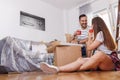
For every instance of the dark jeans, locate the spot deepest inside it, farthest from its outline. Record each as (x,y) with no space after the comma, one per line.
(84,51)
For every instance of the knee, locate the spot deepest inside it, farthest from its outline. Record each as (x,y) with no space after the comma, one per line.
(79,59)
(82,60)
(99,55)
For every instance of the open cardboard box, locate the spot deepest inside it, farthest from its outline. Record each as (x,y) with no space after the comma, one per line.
(52,46)
(65,54)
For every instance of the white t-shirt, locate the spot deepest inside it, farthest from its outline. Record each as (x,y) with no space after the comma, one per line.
(84,33)
(102,47)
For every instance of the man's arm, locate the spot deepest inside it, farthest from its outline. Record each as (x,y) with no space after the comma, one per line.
(74,40)
(83,41)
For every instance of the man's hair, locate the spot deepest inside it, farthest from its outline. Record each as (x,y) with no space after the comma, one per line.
(82,15)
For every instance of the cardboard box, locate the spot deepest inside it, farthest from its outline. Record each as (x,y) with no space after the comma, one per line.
(69,37)
(65,54)
(52,46)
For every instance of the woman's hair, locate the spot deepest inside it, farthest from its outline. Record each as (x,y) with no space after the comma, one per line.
(99,25)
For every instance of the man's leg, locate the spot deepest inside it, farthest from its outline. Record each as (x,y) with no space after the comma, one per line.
(84,51)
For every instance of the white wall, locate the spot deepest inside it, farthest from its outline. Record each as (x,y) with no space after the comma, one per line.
(72,18)
(10,20)
(73,14)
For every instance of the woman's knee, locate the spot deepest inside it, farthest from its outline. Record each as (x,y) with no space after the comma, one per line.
(104,60)
(99,55)
(82,60)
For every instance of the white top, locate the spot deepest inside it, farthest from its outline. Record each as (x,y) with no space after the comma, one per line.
(84,33)
(102,47)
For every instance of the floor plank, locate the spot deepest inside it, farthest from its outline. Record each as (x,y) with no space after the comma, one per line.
(103,75)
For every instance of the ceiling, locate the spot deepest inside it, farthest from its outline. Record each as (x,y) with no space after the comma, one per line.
(66,4)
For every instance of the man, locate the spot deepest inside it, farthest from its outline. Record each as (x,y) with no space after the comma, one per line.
(81,35)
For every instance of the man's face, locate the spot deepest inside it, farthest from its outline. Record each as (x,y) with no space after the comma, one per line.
(83,22)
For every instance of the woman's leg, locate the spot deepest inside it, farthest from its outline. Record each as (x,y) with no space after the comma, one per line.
(98,60)
(74,66)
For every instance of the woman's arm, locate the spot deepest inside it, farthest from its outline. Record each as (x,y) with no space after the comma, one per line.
(91,44)
(94,43)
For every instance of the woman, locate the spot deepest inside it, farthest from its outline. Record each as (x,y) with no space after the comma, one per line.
(102,44)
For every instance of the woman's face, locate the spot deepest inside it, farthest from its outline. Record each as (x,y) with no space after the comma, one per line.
(92,26)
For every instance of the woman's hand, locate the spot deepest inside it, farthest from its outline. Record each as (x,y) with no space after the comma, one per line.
(88,43)
(90,36)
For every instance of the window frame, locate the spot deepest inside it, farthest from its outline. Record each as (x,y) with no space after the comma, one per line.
(109,17)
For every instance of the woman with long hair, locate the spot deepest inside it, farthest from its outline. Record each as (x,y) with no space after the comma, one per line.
(104,56)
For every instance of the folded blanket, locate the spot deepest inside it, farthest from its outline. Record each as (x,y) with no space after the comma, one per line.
(14,55)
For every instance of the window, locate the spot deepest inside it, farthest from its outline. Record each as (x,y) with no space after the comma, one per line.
(116,11)
(105,16)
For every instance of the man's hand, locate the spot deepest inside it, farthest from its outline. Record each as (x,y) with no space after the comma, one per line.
(83,41)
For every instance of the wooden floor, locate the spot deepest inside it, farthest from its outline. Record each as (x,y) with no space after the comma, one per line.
(106,75)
